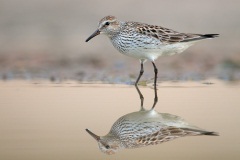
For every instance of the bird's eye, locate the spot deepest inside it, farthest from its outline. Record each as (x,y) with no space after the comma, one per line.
(107,146)
(107,23)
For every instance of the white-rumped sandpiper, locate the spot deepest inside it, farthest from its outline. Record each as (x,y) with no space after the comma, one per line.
(144,41)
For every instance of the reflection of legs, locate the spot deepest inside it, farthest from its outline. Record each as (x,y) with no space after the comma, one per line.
(136,84)
(155,85)
(141,96)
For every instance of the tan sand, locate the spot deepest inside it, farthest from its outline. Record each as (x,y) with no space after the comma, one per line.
(42,120)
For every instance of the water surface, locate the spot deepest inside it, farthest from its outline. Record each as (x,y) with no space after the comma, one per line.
(48,121)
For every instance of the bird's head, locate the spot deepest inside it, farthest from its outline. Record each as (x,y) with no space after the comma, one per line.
(109,26)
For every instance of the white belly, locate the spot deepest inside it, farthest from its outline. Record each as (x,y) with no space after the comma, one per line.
(153,52)
(146,48)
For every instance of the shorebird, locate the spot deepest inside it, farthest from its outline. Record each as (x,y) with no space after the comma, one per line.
(144,41)
(144,128)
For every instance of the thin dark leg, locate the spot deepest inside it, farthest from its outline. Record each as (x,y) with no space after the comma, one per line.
(136,84)
(155,85)
(140,74)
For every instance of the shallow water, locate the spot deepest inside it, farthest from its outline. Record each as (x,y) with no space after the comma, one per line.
(48,121)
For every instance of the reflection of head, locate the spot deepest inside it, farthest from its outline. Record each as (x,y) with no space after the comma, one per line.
(107,144)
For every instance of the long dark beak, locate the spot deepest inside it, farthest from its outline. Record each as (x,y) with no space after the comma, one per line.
(93,135)
(97,32)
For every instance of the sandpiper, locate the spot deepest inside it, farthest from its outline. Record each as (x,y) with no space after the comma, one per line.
(144,128)
(144,41)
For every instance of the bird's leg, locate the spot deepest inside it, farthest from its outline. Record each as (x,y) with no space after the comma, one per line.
(136,85)
(140,74)
(156,72)
(155,85)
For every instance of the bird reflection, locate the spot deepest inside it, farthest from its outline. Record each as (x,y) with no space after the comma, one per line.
(144,128)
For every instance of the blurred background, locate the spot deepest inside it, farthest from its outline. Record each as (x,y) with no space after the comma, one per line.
(45,39)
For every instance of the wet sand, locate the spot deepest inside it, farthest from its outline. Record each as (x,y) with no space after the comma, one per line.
(42,120)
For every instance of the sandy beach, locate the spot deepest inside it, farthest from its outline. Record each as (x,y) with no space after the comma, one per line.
(43,120)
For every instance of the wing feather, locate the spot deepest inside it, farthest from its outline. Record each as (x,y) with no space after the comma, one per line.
(169,36)
(169,133)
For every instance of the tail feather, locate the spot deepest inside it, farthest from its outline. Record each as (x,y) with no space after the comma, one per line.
(200,37)
(200,132)
(209,35)
(210,133)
